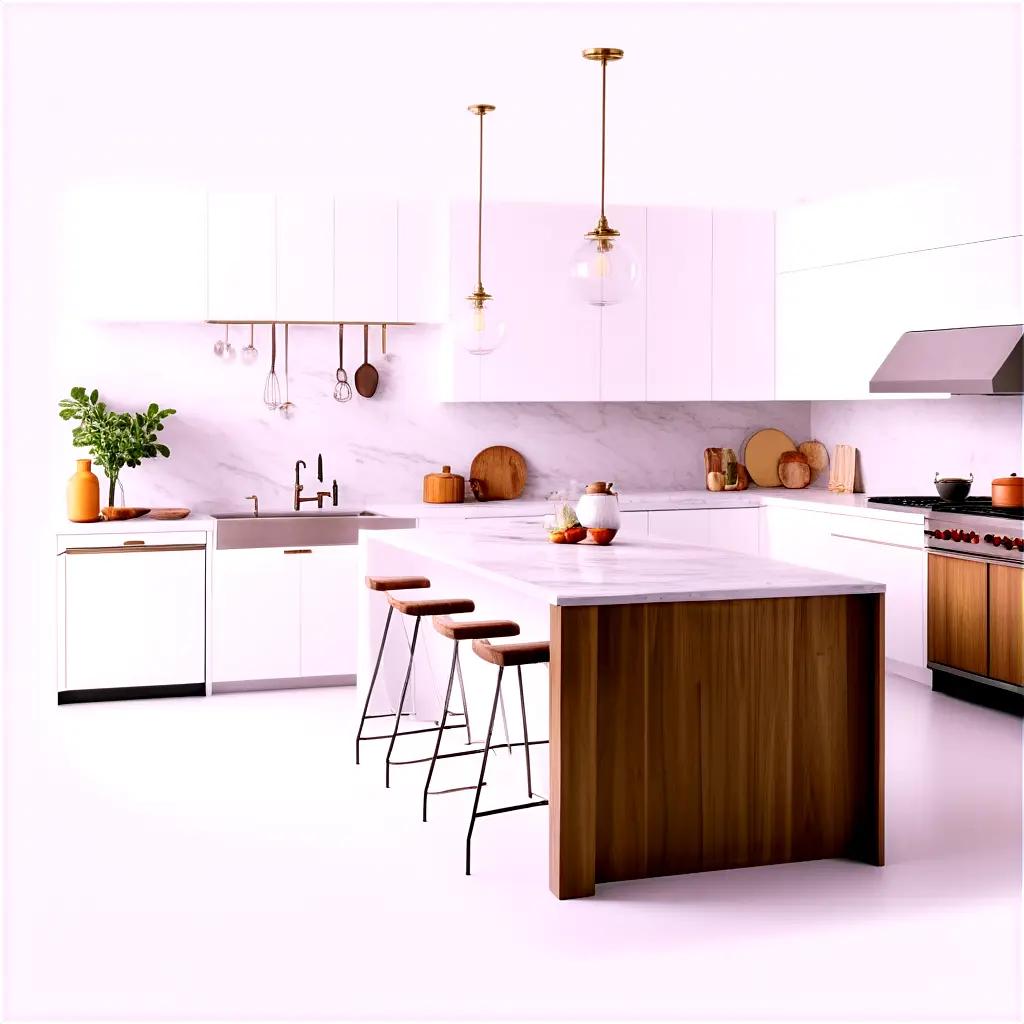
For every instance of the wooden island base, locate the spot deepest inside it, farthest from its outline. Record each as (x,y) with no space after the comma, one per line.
(720,734)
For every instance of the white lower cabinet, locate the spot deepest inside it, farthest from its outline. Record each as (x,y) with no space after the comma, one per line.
(283,613)
(893,554)
(255,615)
(328,593)
(796,535)
(729,529)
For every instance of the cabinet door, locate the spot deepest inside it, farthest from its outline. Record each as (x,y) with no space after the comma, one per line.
(902,570)
(365,260)
(552,349)
(243,256)
(796,535)
(305,257)
(958,613)
(328,616)
(136,254)
(743,305)
(1006,623)
(624,326)
(424,255)
(729,529)
(134,618)
(678,305)
(254,620)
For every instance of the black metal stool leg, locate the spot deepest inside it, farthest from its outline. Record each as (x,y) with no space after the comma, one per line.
(401,705)
(373,680)
(526,734)
(444,722)
(483,770)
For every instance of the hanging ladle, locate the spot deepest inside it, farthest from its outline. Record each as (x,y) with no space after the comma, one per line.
(366,376)
(342,390)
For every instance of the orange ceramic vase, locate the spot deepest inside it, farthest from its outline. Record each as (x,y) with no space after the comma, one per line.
(84,494)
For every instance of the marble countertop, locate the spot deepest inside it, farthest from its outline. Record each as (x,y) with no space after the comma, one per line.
(629,571)
(815,499)
(192,523)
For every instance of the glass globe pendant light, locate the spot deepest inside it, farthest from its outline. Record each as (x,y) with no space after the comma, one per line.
(604,269)
(480,329)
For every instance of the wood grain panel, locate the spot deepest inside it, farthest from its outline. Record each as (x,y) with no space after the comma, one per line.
(1006,623)
(705,735)
(573,751)
(957,616)
(673,743)
(621,845)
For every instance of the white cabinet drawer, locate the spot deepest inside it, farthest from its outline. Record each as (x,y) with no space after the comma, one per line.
(882,531)
(127,539)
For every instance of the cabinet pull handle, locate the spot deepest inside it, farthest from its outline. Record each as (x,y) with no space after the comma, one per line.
(298,551)
(137,548)
(134,543)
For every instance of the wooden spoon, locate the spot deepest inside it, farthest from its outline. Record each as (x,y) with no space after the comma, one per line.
(366,376)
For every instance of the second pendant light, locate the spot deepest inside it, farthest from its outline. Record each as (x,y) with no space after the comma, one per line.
(480,327)
(604,269)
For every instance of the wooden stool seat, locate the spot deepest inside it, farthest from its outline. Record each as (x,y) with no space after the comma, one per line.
(431,606)
(478,630)
(507,655)
(386,583)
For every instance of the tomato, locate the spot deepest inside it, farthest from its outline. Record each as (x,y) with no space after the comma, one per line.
(557,536)
(575,534)
(602,537)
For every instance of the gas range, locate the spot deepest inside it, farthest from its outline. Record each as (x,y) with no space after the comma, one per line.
(971,528)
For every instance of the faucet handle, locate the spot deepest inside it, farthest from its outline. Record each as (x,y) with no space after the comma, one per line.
(256,504)
(334,493)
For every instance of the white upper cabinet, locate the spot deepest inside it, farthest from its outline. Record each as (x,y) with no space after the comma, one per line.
(836,324)
(135,254)
(552,351)
(305,257)
(678,292)
(365,259)
(424,262)
(899,219)
(623,343)
(743,305)
(243,256)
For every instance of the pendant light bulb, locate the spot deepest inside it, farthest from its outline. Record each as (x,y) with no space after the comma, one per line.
(604,269)
(480,328)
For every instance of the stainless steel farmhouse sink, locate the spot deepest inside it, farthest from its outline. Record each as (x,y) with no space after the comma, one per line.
(299,529)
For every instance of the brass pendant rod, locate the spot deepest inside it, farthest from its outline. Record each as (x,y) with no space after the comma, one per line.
(604,96)
(480,213)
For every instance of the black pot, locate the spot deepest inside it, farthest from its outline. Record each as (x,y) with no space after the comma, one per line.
(953,488)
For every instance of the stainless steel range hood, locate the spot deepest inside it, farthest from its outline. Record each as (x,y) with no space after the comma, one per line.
(961,361)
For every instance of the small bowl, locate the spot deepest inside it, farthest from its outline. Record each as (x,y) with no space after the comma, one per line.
(118,513)
(170,513)
(953,488)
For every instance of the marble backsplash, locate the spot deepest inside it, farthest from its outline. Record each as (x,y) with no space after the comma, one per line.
(225,444)
(902,443)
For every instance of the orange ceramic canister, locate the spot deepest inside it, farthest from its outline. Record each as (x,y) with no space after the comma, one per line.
(1008,491)
(84,494)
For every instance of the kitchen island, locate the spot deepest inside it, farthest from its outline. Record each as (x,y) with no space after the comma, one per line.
(706,711)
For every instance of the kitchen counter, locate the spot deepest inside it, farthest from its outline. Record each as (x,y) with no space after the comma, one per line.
(707,710)
(813,498)
(192,523)
(628,571)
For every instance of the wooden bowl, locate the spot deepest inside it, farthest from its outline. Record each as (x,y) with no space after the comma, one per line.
(116,515)
(170,513)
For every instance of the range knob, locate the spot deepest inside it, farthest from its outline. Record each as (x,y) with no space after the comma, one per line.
(1007,543)
(972,537)
(997,540)
(1018,543)
(989,539)
(946,534)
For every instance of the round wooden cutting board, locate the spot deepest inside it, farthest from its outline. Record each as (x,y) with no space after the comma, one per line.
(501,472)
(817,457)
(761,455)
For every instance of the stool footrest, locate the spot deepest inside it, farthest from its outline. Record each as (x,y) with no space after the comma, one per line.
(452,789)
(513,807)
(389,714)
(410,732)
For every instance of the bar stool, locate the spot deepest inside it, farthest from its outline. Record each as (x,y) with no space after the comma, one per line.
(418,610)
(456,632)
(386,584)
(507,656)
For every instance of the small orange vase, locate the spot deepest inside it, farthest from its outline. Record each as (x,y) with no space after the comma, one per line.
(84,494)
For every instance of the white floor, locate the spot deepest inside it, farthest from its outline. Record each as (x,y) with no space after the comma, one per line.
(224,858)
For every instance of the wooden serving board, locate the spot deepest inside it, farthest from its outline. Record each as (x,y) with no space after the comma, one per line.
(761,455)
(501,471)
(843,477)
(817,457)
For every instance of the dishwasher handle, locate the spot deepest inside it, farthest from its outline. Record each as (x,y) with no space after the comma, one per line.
(133,547)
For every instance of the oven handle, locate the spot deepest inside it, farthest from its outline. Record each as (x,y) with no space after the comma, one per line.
(133,548)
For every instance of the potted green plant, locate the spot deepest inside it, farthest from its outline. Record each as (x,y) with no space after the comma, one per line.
(115,439)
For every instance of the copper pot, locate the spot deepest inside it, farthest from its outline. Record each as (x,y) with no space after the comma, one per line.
(1008,491)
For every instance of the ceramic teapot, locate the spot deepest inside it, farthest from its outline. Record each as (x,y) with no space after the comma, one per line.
(598,507)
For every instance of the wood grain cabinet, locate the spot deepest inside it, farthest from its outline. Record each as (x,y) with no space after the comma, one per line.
(1006,623)
(958,630)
